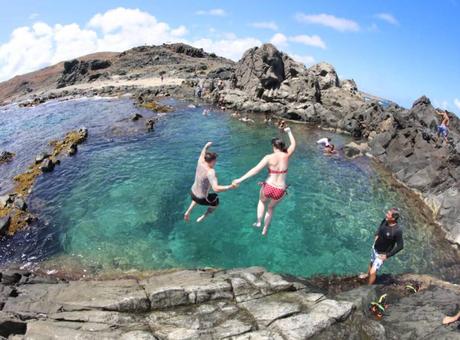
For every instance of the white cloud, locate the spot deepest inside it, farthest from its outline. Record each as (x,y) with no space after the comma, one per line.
(328,20)
(280,40)
(457,103)
(229,48)
(33,16)
(389,18)
(219,12)
(307,60)
(310,40)
(32,47)
(269,25)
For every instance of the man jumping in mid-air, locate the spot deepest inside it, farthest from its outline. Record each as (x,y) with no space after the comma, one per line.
(205,179)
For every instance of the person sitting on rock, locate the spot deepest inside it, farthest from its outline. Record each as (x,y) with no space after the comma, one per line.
(451,319)
(205,179)
(443,130)
(387,243)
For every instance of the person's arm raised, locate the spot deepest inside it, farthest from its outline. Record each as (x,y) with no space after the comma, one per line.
(292,145)
(254,171)
(205,149)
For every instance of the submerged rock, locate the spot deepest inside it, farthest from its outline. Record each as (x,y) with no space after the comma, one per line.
(4,224)
(6,157)
(136,116)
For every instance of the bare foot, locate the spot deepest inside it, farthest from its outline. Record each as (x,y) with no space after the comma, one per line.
(264,231)
(201,218)
(363,276)
(449,319)
(187,217)
(257,224)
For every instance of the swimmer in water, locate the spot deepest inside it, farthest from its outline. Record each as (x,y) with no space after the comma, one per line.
(246,119)
(274,188)
(330,150)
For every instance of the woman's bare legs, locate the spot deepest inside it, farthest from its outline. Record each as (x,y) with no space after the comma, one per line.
(189,210)
(269,215)
(260,208)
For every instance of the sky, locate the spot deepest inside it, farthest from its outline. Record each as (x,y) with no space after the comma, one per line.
(396,49)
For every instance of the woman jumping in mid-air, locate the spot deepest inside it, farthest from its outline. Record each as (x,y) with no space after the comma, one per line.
(274,187)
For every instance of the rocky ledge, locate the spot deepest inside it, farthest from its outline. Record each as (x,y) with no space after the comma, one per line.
(209,304)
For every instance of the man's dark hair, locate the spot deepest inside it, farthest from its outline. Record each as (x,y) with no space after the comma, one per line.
(328,139)
(395,214)
(210,156)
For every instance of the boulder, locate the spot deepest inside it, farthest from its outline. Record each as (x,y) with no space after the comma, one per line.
(260,68)
(325,75)
(98,64)
(6,156)
(41,157)
(353,150)
(19,203)
(47,165)
(136,116)
(73,148)
(4,200)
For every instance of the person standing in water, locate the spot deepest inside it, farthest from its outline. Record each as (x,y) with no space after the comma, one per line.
(205,179)
(274,188)
(387,243)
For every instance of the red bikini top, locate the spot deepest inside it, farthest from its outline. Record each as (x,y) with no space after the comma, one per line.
(271,171)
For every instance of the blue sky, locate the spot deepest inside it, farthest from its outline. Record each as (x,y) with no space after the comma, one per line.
(393,48)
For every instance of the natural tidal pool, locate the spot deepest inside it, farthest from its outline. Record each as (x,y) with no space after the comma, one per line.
(119,203)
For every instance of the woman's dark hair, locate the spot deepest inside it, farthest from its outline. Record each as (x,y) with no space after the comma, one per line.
(210,156)
(279,144)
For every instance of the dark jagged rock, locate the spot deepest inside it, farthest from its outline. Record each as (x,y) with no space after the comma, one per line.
(47,165)
(99,64)
(41,157)
(6,156)
(136,116)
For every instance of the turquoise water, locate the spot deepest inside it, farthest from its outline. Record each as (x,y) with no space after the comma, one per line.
(119,203)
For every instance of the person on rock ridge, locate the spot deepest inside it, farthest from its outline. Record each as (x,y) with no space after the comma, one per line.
(274,188)
(443,128)
(205,179)
(387,243)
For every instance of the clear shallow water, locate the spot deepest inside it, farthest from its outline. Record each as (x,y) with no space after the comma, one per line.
(119,203)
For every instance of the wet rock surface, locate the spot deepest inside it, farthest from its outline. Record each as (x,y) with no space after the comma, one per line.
(203,304)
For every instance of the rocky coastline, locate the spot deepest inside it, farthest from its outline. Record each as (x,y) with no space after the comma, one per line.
(248,303)
(245,303)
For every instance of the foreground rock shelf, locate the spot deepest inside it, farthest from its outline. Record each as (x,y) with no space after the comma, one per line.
(196,304)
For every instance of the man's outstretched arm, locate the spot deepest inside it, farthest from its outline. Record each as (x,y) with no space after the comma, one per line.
(205,149)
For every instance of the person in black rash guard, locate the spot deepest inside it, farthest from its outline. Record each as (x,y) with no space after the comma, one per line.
(388,242)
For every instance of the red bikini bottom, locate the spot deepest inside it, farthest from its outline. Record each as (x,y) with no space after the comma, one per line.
(272,192)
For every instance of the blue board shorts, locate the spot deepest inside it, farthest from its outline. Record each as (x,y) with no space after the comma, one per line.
(443,130)
(375,260)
